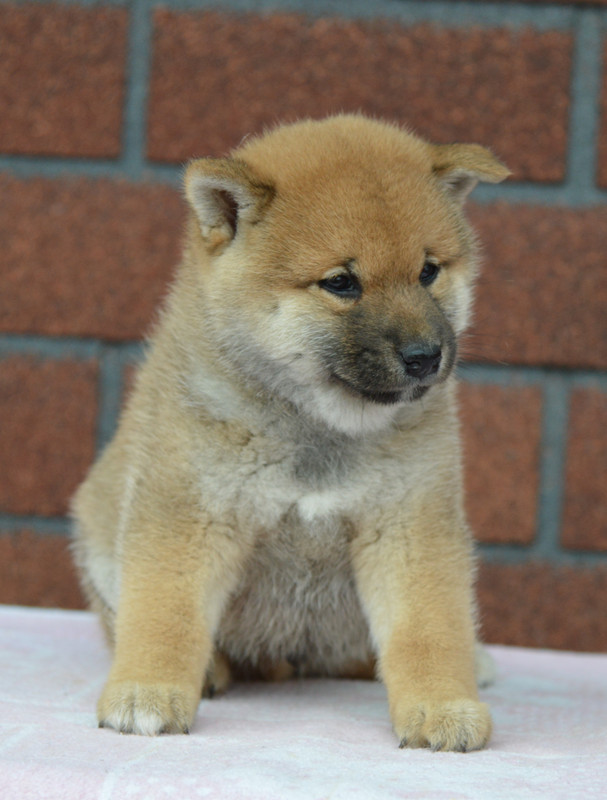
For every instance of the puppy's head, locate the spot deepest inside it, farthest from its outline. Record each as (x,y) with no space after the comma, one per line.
(336,263)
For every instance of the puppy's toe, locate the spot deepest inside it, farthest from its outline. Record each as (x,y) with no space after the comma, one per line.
(459,725)
(408,725)
(144,709)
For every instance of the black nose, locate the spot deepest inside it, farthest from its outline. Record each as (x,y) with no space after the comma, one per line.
(421,360)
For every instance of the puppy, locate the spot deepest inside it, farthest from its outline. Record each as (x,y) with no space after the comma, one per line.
(283,494)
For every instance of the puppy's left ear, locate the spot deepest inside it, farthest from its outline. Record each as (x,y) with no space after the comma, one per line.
(224,193)
(459,167)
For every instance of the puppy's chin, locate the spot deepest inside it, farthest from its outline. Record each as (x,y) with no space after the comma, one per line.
(354,414)
(343,411)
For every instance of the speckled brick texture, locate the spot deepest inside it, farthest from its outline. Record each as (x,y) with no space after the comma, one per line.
(99,112)
(85,258)
(543,290)
(501,445)
(585,513)
(48,410)
(93,258)
(217,78)
(37,570)
(541,605)
(62,79)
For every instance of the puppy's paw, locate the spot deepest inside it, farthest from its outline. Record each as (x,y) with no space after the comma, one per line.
(146,709)
(459,725)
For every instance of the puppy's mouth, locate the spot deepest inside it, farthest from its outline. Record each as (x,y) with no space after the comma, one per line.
(385,398)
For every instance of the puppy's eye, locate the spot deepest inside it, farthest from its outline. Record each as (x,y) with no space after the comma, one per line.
(429,273)
(343,284)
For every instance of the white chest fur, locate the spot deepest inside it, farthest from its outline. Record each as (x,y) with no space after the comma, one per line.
(323,504)
(297,599)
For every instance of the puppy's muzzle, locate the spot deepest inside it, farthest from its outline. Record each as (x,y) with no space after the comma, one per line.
(421,360)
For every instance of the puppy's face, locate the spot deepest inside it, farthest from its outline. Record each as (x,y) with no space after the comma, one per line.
(341,276)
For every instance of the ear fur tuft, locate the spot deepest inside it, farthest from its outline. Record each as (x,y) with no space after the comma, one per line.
(223,192)
(459,167)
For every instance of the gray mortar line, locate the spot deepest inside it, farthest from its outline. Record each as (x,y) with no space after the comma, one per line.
(110,394)
(42,347)
(64,347)
(113,361)
(48,526)
(523,375)
(552,466)
(449,13)
(582,162)
(524,554)
(139,56)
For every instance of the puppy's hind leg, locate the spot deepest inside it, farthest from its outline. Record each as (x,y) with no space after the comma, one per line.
(360,670)
(486,671)
(218,677)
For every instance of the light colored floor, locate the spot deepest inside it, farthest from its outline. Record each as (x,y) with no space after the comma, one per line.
(310,740)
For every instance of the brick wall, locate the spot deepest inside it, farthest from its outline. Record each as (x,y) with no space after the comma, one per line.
(101,104)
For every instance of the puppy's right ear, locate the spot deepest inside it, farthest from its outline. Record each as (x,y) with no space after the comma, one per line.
(224,193)
(459,167)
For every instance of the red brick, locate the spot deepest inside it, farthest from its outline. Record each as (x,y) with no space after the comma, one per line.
(585,514)
(37,571)
(543,291)
(501,431)
(47,437)
(83,257)
(541,605)
(92,258)
(218,77)
(62,79)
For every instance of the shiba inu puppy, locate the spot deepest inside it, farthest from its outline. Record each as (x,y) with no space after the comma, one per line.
(283,494)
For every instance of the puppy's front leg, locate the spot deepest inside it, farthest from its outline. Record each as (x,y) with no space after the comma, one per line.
(415,580)
(171,596)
